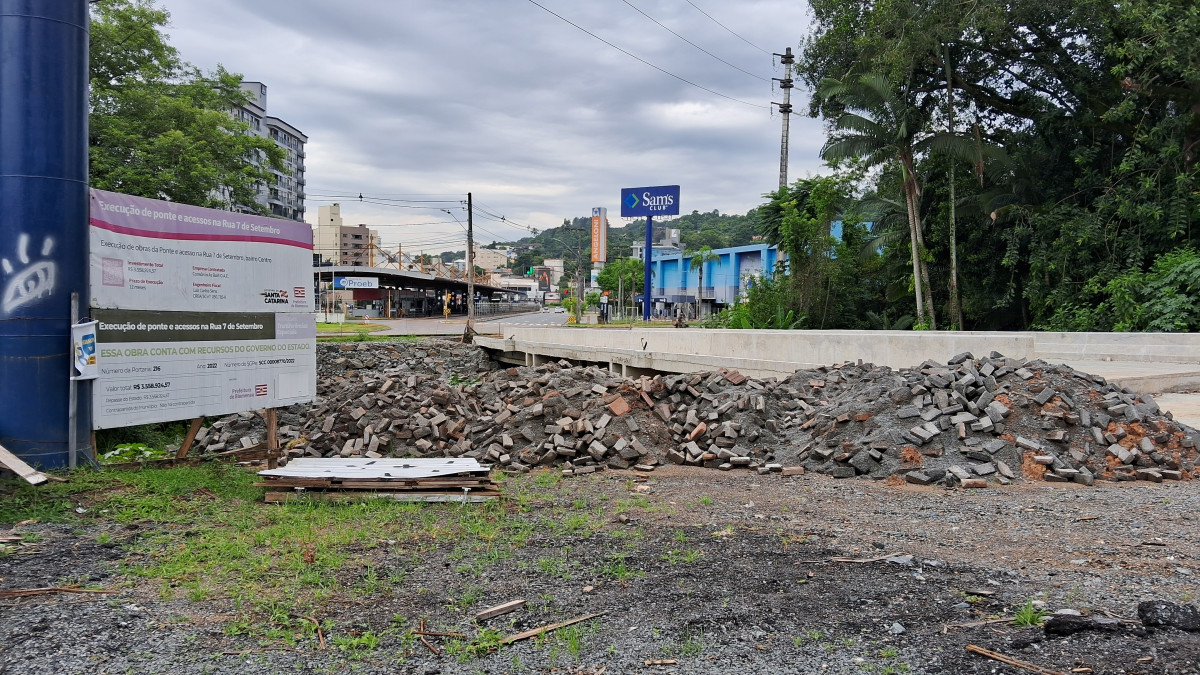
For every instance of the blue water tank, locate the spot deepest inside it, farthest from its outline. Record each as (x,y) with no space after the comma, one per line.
(43,221)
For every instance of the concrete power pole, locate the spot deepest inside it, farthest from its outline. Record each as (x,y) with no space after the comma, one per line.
(785,83)
(470,271)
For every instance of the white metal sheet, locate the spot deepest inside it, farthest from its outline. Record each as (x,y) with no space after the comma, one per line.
(382,468)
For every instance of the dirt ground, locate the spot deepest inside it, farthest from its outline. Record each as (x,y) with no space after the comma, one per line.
(717,572)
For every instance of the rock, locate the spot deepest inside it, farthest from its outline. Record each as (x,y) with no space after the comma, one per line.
(1069,624)
(1162,614)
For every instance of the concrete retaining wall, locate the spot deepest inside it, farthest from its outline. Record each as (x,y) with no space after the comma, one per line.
(764,353)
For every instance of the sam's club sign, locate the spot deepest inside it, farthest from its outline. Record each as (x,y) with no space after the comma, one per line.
(662,200)
(349,283)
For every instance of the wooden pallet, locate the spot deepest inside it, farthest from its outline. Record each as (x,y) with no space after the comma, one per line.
(413,480)
(472,497)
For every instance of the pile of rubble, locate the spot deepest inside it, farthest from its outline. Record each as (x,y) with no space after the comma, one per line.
(969,422)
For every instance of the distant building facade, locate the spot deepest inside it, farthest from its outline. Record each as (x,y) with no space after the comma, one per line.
(284,195)
(340,244)
(676,284)
(491,258)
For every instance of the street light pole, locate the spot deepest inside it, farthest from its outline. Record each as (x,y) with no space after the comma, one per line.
(470,272)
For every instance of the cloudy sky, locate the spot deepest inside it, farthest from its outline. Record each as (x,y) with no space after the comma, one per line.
(430,99)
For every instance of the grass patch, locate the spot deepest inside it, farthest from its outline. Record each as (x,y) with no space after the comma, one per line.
(1028,615)
(350,327)
(674,557)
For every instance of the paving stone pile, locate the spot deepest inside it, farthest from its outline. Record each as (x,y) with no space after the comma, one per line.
(969,422)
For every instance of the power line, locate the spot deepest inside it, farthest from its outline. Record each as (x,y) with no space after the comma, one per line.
(634,56)
(360,197)
(639,11)
(728,29)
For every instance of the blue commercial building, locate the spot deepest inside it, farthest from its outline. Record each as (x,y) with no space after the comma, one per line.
(676,286)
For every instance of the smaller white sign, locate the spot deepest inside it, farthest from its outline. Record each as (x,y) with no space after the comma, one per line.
(83,345)
(355,282)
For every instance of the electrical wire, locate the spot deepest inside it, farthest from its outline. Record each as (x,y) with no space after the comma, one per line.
(664,27)
(634,56)
(728,29)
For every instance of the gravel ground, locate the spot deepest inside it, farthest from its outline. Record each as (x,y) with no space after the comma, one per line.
(719,572)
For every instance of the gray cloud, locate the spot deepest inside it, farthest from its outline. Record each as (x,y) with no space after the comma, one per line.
(497,97)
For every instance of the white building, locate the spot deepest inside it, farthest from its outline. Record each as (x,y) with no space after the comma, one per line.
(284,197)
(341,244)
(491,258)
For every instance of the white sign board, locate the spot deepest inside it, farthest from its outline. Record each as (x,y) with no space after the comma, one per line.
(156,255)
(201,312)
(161,366)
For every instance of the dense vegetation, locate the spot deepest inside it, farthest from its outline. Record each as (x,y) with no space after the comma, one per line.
(1029,164)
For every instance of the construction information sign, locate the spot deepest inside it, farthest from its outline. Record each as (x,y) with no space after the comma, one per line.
(156,255)
(161,366)
(201,312)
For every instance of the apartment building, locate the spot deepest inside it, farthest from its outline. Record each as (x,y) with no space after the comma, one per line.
(284,196)
(340,244)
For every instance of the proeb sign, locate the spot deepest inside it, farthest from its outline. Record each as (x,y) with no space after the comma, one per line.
(662,200)
(351,283)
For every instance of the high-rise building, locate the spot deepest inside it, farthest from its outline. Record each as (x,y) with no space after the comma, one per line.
(341,244)
(284,196)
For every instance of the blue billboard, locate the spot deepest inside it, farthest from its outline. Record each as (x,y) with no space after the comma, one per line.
(662,200)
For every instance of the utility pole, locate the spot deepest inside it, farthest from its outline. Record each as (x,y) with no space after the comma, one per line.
(579,282)
(785,83)
(470,271)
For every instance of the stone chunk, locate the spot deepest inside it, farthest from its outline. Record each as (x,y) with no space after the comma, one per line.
(1028,444)
(1162,614)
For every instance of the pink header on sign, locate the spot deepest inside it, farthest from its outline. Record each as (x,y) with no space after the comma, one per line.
(125,214)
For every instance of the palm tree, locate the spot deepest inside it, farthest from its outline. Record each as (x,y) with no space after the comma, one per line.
(704,255)
(883,123)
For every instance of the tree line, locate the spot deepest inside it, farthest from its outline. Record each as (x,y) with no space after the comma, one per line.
(1019,165)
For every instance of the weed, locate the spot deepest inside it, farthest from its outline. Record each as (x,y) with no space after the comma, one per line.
(619,570)
(680,536)
(103,538)
(707,501)
(469,596)
(555,567)
(359,646)
(548,478)
(1028,615)
(573,637)
(486,642)
(692,645)
(888,653)
(674,557)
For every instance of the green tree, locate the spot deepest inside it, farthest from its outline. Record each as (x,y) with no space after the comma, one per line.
(701,258)
(624,276)
(158,126)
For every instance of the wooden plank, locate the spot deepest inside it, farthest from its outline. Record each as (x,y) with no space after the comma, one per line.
(190,438)
(373,484)
(19,467)
(1016,663)
(474,498)
(272,418)
(547,628)
(505,608)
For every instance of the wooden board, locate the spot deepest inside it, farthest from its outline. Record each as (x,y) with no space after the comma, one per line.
(475,497)
(19,467)
(339,484)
